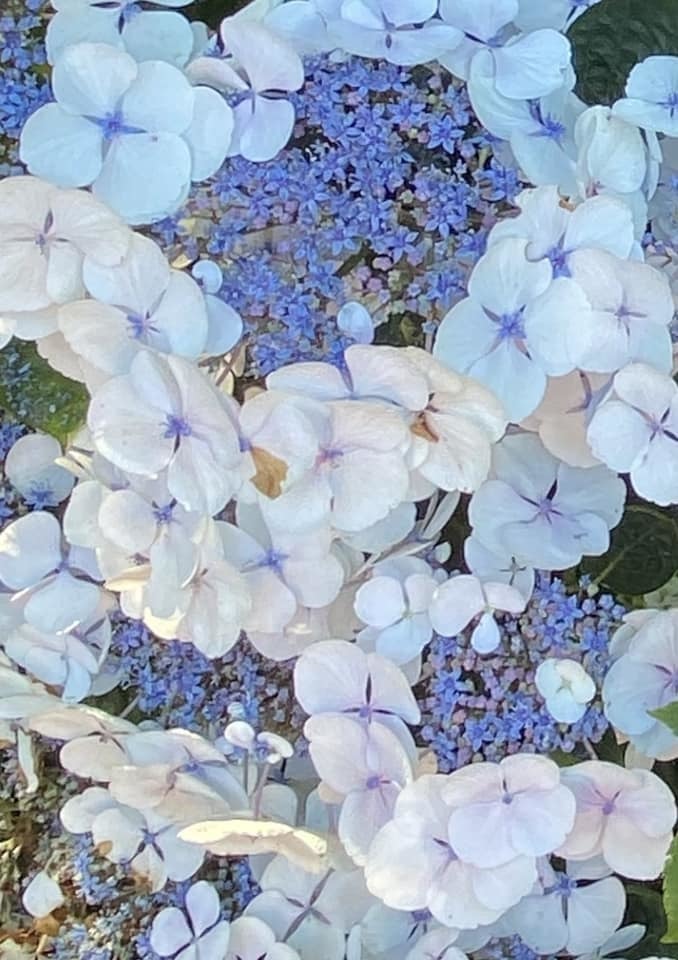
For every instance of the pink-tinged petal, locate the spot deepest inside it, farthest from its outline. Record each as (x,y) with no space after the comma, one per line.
(632,853)
(363,814)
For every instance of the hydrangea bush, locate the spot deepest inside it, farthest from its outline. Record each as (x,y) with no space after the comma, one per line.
(339,492)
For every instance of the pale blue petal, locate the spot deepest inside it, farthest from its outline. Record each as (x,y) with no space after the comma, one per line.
(79,26)
(481,18)
(209,134)
(543,161)
(144,177)
(63,149)
(224,327)
(422,45)
(514,377)
(159,35)
(465,334)
(532,65)
(498,114)
(262,128)
(90,78)
(209,275)
(161,98)
(300,23)
(402,12)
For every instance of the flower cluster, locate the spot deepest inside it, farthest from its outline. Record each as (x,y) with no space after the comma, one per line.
(261,698)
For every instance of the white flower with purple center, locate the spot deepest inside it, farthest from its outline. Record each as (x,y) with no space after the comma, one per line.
(400,31)
(31,468)
(627,816)
(644,677)
(544,512)
(554,229)
(260,69)
(577,910)
(144,34)
(136,132)
(651,100)
(510,331)
(636,432)
(366,767)
(166,413)
(194,934)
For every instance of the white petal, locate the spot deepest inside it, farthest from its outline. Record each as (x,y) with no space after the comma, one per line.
(262,127)
(202,903)
(455,603)
(169,932)
(380,602)
(159,35)
(30,548)
(42,895)
(63,148)
(532,65)
(209,133)
(145,177)
(160,98)
(90,78)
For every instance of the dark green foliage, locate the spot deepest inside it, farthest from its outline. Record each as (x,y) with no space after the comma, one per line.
(643,552)
(668,716)
(614,35)
(212,12)
(37,395)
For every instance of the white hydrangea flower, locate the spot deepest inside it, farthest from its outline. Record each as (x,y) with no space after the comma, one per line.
(261,66)
(566,688)
(31,469)
(144,34)
(166,413)
(459,600)
(412,864)
(46,234)
(643,678)
(635,431)
(651,99)
(543,512)
(626,815)
(135,132)
(201,935)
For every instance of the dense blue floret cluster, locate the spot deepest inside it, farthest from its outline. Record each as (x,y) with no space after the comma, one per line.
(483,707)
(385,196)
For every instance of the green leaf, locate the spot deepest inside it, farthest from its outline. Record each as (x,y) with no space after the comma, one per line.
(671,894)
(668,716)
(37,395)
(614,35)
(643,552)
(213,11)
(644,905)
(564,759)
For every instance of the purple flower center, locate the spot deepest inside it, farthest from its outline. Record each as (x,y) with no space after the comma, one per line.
(671,103)
(113,125)
(164,514)
(176,427)
(273,559)
(511,326)
(373,782)
(558,258)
